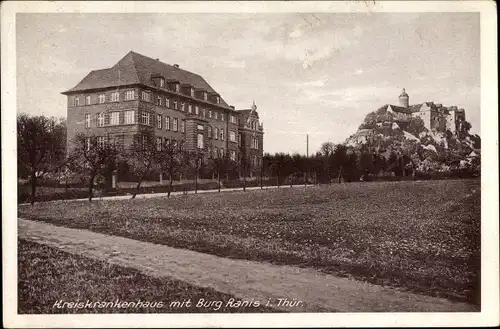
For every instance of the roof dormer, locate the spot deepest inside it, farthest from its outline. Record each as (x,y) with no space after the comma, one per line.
(173,85)
(158,80)
(202,94)
(214,98)
(187,89)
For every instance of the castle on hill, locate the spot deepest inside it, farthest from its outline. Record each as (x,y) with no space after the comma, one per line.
(436,117)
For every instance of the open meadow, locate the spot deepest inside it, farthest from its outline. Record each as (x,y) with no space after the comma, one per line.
(61,276)
(421,236)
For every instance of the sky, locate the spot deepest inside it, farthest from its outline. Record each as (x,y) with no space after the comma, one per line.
(316,74)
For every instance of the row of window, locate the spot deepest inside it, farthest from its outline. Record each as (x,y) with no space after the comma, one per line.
(143,117)
(132,117)
(101,98)
(162,143)
(160,101)
(101,142)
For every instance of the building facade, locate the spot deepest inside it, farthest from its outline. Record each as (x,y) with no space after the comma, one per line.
(436,117)
(141,95)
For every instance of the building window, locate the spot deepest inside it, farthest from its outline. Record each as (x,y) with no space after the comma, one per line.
(101,141)
(217,99)
(216,133)
(222,116)
(87,143)
(209,132)
(158,143)
(102,98)
(216,115)
(114,118)
(167,123)
(159,120)
(76,101)
(196,110)
(87,100)
(240,140)
(205,96)
(167,102)
(177,87)
(232,119)
(232,136)
(233,155)
(190,108)
(162,83)
(129,95)
(204,111)
(200,127)
(191,92)
(146,96)
(129,117)
(183,126)
(158,101)
(210,114)
(221,135)
(115,97)
(175,105)
(87,120)
(166,142)
(100,119)
(200,141)
(176,121)
(255,142)
(144,118)
(215,152)
(221,152)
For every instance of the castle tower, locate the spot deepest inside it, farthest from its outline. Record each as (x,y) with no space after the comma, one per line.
(404,99)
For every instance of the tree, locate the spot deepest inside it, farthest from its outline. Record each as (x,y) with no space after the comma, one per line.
(93,155)
(40,146)
(143,154)
(340,159)
(170,161)
(327,149)
(416,126)
(217,164)
(244,165)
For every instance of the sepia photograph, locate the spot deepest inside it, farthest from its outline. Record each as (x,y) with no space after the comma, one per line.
(248,164)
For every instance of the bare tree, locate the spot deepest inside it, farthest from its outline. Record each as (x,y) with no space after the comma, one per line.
(170,159)
(143,154)
(41,146)
(218,166)
(93,154)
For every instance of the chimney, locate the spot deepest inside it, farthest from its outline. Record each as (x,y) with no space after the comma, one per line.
(231,106)
(176,65)
(157,59)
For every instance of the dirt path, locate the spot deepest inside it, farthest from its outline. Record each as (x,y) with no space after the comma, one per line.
(241,278)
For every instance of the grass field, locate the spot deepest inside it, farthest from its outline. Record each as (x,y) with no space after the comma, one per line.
(419,236)
(48,275)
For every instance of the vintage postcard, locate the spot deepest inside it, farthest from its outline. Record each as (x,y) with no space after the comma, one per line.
(250,164)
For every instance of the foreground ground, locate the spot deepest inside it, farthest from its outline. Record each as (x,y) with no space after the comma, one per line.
(48,275)
(420,236)
(283,287)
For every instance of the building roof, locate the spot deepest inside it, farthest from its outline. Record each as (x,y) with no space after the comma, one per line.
(246,113)
(415,107)
(400,109)
(135,68)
